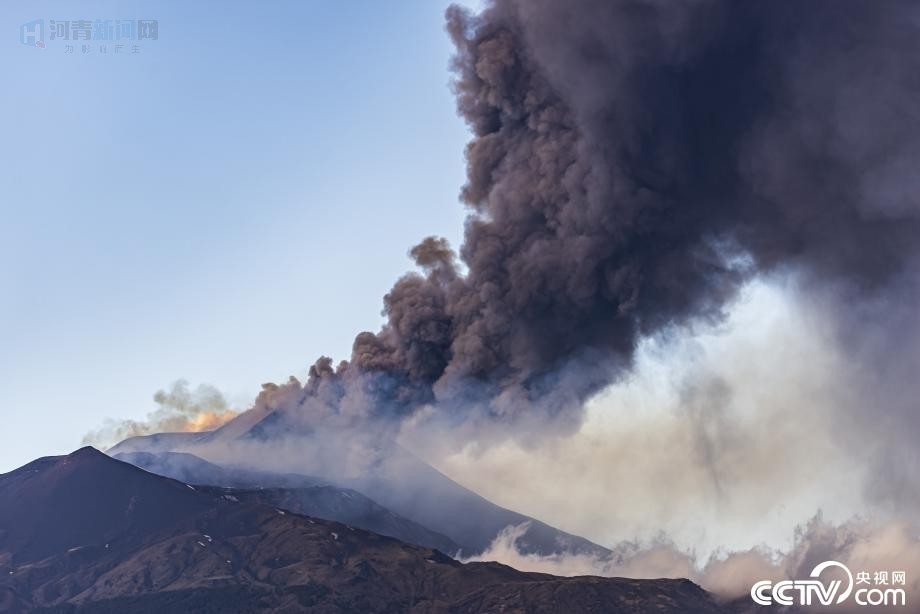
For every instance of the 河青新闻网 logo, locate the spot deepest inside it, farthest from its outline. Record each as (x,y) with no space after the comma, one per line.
(90,36)
(835,591)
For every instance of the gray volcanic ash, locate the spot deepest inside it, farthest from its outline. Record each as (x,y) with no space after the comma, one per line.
(633,164)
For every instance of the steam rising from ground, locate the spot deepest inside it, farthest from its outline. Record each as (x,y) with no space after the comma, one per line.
(179,410)
(745,427)
(717,445)
(861,545)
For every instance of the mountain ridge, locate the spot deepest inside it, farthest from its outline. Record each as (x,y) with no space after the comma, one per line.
(302,494)
(400,481)
(232,556)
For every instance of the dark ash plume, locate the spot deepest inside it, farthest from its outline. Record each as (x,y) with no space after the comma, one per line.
(633,163)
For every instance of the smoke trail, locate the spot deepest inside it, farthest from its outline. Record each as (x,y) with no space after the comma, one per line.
(180,410)
(633,163)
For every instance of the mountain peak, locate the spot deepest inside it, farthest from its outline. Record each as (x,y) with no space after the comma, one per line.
(85,498)
(87,452)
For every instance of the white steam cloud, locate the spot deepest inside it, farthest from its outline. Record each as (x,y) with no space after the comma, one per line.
(859,544)
(179,409)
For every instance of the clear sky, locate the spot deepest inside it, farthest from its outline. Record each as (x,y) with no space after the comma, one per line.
(223,206)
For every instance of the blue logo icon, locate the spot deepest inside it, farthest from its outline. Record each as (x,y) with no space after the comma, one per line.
(32,33)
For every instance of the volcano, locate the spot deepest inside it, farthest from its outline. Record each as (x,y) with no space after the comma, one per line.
(399,481)
(86,533)
(302,494)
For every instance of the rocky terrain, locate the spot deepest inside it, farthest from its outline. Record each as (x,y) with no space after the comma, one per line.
(88,533)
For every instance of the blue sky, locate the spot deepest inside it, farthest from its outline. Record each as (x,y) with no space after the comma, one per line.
(223,206)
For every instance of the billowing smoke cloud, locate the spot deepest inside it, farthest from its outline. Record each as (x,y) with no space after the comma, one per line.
(860,545)
(179,410)
(633,164)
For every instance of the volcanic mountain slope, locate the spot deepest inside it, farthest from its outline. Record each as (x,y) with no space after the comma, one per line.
(301,494)
(401,482)
(193,469)
(409,486)
(87,533)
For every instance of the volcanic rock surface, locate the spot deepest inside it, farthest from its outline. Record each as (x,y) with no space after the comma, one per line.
(88,533)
